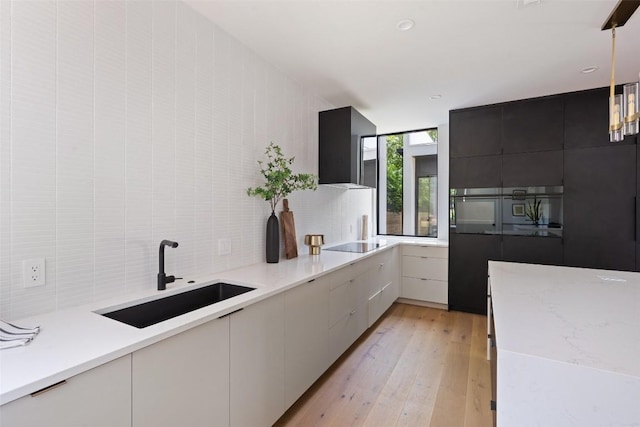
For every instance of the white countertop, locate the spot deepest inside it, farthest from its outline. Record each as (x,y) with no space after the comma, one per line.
(568,342)
(75,340)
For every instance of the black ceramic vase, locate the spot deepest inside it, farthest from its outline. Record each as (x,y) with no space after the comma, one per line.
(273,239)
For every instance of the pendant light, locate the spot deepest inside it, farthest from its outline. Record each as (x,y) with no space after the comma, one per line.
(630,108)
(623,109)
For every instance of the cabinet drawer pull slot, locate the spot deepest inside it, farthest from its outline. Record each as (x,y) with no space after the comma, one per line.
(46,389)
(233,312)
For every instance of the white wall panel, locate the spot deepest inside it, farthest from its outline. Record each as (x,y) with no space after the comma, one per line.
(203,241)
(127,122)
(185,138)
(109,148)
(235,189)
(74,154)
(222,145)
(249,149)
(164,130)
(140,253)
(5,160)
(33,150)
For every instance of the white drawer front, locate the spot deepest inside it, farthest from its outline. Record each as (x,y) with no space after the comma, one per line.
(425,290)
(425,268)
(338,277)
(428,251)
(341,301)
(344,332)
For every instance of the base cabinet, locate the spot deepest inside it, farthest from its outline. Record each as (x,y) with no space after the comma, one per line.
(348,312)
(384,282)
(425,274)
(242,370)
(183,380)
(100,397)
(306,327)
(257,372)
(468,258)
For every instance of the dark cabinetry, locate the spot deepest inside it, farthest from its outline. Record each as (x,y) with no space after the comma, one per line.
(532,169)
(533,250)
(533,125)
(340,146)
(476,132)
(600,197)
(559,140)
(586,119)
(476,172)
(468,270)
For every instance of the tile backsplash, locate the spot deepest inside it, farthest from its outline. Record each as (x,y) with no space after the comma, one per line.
(123,123)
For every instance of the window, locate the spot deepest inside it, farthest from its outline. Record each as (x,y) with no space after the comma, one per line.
(407,190)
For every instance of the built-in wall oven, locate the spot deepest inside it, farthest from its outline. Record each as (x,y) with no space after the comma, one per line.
(519,211)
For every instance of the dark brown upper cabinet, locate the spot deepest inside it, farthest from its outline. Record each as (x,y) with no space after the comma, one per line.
(475,172)
(600,192)
(533,125)
(475,132)
(586,119)
(532,169)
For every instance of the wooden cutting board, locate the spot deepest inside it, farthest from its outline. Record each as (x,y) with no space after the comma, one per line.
(288,231)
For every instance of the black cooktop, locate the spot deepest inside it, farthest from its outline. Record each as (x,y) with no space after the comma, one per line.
(354,247)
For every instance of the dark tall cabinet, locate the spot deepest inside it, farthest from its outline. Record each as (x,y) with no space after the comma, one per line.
(599,213)
(468,258)
(533,125)
(559,140)
(476,132)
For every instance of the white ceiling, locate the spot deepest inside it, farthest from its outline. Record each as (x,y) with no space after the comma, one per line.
(472,52)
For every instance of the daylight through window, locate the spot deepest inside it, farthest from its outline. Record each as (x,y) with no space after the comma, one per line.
(407,190)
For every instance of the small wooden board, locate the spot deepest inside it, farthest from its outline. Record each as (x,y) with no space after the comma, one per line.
(288,231)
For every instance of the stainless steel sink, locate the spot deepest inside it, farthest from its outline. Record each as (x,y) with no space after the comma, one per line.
(161,309)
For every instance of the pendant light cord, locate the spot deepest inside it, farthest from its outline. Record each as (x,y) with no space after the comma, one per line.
(613,78)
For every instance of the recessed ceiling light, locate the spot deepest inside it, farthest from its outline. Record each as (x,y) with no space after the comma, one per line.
(588,70)
(435,97)
(405,25)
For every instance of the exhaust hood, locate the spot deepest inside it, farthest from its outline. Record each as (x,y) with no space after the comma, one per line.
(342,160)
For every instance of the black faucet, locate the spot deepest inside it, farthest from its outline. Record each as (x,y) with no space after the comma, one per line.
(163,279)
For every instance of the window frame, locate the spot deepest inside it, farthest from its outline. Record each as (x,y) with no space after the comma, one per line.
(428,148)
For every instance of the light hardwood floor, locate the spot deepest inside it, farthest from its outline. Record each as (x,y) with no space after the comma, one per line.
(416,366)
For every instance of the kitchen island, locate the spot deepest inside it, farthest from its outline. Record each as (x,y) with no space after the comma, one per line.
(568,345)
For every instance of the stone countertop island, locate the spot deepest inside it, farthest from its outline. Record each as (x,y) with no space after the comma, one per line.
(568,345)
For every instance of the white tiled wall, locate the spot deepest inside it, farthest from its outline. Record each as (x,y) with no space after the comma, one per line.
(123,123)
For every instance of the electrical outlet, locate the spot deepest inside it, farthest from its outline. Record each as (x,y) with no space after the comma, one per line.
(33,272)
(224,246)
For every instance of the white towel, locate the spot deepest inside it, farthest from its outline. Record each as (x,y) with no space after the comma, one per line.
(12,335)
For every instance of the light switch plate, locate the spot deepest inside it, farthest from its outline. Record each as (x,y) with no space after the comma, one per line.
(224,246)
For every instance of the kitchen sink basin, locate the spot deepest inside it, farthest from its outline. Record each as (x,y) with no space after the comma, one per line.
(155,311)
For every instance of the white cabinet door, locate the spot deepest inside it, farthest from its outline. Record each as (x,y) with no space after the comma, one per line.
(426,251)
(384,275)
(390,292)
(425,272)
(375,308)
(184,380)
(425,290)
(306,336)
(100,397)
(348,313)
(425,268)
(257,363)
